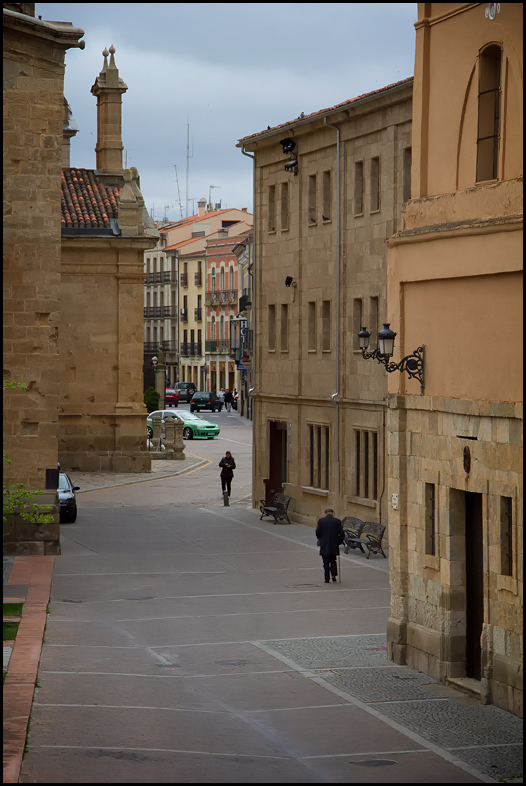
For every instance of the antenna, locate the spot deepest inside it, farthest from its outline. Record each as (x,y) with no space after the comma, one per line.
(210,196)
(178,189)
(188,157)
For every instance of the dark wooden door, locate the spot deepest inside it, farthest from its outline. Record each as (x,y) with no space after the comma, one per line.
(474,584)
(277,457)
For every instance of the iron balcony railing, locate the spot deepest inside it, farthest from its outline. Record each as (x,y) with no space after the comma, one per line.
(151,312)
(191,348)
(198,279)
(164,346)
(184,315)
(221,296)
(198,314)
(183,279)
(222,347)
(162,277)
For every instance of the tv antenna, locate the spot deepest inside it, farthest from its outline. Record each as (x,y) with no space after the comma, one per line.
(188,157)
(210,195)
(178,189)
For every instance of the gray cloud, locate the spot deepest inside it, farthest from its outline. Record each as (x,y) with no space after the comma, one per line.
(232,69)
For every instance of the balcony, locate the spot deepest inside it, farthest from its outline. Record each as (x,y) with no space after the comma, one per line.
(198,280)
(184,315)
(160,346)
(151,312)
(189,348)
(245,300)
(198,314)
(163,277)
(214,347)
(183,279)
(221,297)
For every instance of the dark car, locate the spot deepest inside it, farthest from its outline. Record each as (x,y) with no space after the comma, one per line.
(202,400)
(66,497)
(171,397)
(185,390)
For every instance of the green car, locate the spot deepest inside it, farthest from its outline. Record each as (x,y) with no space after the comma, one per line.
(194,425)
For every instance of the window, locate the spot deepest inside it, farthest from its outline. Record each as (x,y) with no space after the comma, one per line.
(358,188)
(284,206)
(311,346)
(406,175)
(365,476)
(326,325)
(488,114)
(222,279)
(506,536)
(272,327)
(231,278)
(375,184)
(312,199)
(272,208)
(319,456)
(430,519)
(372,325)
(214,280)
(284,327)
(357,322)
(327,197)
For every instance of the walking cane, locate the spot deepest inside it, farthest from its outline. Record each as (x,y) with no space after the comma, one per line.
(339,570)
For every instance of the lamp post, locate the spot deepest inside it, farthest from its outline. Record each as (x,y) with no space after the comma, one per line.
(413,364)
(160,384)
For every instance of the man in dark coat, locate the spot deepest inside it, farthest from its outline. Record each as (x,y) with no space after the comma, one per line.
(330,536)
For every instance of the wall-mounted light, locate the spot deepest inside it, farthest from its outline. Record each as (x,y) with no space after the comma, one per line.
(289,145)
(413,364)
(289,282)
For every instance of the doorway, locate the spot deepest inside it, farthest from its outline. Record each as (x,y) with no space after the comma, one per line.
(474,584)
(277,475)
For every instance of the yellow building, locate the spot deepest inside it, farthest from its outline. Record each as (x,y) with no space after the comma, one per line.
(328,192)
(454,287)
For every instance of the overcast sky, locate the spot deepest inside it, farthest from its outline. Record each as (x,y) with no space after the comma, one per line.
(232,69)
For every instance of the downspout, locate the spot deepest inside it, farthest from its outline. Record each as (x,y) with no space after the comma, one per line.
(334,395)
(254,307)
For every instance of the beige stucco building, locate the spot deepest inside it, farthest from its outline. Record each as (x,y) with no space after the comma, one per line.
(328,193)
(454,286)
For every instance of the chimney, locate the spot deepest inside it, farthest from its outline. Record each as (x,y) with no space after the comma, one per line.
(201,206)
(244,209)
(109,88)
(69,131)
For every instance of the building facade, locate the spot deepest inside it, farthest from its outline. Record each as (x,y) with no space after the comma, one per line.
(175,292)
(244,341)
(328,192)
(454,287)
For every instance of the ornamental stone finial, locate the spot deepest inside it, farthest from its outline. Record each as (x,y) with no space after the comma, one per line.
(112,58)
(105,54)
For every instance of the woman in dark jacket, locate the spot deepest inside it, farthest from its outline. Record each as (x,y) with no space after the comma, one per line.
(228,466)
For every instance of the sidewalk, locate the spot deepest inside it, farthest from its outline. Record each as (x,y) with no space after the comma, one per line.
(310,702)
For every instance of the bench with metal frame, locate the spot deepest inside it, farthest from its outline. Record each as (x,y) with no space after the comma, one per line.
(352,528)
(374,534)
(277,508)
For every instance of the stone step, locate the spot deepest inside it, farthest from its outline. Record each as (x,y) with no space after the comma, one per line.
(467,685)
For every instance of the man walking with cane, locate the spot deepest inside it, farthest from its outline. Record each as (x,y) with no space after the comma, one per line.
(330,536)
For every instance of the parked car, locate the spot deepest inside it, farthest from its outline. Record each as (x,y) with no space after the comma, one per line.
(203,400)
(171,397)
(194,425)
(66,497)
(185,390)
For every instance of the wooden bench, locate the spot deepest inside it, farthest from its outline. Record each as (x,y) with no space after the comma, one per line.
(352,528)
(373,535)
(277,508)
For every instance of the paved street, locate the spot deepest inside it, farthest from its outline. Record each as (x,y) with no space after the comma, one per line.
(191,643)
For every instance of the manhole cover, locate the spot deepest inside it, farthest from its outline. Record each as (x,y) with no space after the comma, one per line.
(233,662)
(374,763)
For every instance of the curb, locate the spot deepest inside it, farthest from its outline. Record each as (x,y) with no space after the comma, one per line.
(35,573)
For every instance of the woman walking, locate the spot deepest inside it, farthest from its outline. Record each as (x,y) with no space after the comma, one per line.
(228,466)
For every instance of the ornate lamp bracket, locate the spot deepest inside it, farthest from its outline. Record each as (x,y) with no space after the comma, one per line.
(412,364)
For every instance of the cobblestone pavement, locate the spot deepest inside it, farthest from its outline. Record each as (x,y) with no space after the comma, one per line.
(94,481)
(484,737)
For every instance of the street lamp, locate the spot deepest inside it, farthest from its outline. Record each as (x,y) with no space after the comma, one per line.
(413,364)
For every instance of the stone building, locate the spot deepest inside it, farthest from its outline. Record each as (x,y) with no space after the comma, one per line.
(454,287)
(34,54)
(105,232)
(244,250)
(175,288)
(328,193)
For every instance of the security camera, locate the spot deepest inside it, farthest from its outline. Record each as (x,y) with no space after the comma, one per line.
(288,145)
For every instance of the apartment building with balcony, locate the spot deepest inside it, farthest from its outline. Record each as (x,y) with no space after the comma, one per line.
(244,336)
(174,302)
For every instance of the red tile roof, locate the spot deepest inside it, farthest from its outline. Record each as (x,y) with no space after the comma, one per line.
(301,119)
(85,202)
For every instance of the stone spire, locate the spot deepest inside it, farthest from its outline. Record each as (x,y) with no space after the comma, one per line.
(109,88)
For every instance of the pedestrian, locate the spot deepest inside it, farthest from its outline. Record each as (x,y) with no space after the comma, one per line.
(330,536)
(221,395)
(228,400)
(228,466)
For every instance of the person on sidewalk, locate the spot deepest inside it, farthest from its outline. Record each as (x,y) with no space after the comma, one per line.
(228,466)
(330,536)
(228,400)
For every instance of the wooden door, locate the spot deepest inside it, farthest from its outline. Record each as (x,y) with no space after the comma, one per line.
(474,584)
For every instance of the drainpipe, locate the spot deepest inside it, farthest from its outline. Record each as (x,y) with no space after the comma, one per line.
(334,395)
(254,307)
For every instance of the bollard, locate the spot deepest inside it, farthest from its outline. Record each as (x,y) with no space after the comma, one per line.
(226,502)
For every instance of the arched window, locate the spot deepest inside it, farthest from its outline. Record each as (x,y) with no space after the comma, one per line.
(222,329)
(489,113)
(214,279)
(222,279)
(231,278)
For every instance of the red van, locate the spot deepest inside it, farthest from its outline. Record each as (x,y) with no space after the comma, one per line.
(171,398)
